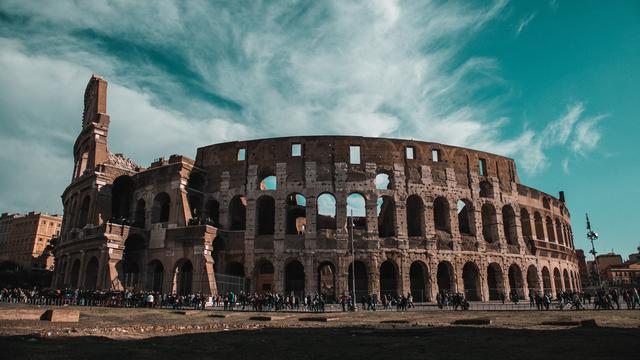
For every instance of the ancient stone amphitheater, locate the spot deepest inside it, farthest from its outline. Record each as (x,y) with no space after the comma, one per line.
(279,215)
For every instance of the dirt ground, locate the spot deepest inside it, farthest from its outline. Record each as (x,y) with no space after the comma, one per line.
(158,334)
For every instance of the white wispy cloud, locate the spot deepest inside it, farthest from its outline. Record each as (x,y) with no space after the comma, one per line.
(524,22)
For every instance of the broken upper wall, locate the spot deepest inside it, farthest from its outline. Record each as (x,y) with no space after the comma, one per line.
(327,151)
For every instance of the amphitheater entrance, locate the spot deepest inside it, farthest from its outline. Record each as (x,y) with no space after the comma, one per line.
(557,280)
(533,282)
(91,274)
(361,279)
(419,282)
(294,279)
(75,274)
(446,279)
(388,279)
(155,276)
(515,281)
(183,277)
(131,261)
(495,281)
(471,281)
(546,279)
(327,281)
(264,276)
(567,281)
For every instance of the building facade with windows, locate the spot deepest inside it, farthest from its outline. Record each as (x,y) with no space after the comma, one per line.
(283,214)
(24,239)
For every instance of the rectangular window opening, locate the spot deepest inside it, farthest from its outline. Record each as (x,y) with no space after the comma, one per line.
(242,154)
(296,149)
(410,153)
(354,154)
(435,155)
(482,164)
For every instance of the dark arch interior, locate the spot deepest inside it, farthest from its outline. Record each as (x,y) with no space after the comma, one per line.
(465,217)
(265,210)
(445,277)
(296,214)
(415,215)
(184,277)
(441,212)
(386,217)
(91,274)
(419,282)
(212,216)
(494,281)
(156,273)
(161,208)
(327,281)
(121,198)
(471,280)
(361,279)
(238,213)
(294,279)
(388,279)
(489,223)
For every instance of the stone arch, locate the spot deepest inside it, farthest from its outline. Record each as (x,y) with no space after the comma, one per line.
(294,277)
(489,223)
(268,182)
(238,212)
(155,276)
(383,181)
(326,211)
(234,268)
(486,189)
(537,219)
(533,281)
(466,217)
(161,208)
(141,214)
(183,278)
(361,279)
(557,279)
(91,274)
(525,223)
(516,283)
(419,282)
(442,214)
(264,276)
(386,211)
(567,280)
(415,216)
(121,198)
(132,260)
(550,233)
(509,225)
(296,207)
(75,274)
(545,203)
(212,213)
(388,279)
(327,280)
(559,232)
(495,281)
(265,215)
(546,279)
(85,210)
(356,210)
(471,281)
(446,277)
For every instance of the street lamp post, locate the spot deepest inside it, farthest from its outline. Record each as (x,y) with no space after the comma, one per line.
(592,235)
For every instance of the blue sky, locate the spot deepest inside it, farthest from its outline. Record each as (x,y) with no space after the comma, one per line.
(552,84)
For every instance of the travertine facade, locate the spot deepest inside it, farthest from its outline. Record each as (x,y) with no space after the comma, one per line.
(426,217)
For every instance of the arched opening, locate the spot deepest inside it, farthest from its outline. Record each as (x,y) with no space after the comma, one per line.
(294,279)
(486,189)
(545,203)
(550,232)
(85,209)
(557,280)
(75,274)
(195,206)
(264,276)
(386,216)
(266,215)
(559,232)
(184,277)
(383,181)
(533,282)
(156,275)
(446,279)
(212,216)
(327,281)
(509,225)
(91,274)
(296,214)
(141,210)
(388,279)
(121,198)
(132,260)
(326,216)
(489,223)
(495,281)
(415,215)
(465,217)
(537,219)
(525,223)
(546,280)
(361,279)
(419,282)
(196,182)
(234,268)
(515,281)
(238,212)
(268,183)
(567,280)
(471,281)
(441,215)
(161,208)
(356,211)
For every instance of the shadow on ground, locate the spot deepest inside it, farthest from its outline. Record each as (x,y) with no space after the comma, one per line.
(335,343)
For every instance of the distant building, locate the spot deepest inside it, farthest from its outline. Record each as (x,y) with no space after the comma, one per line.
(24,239)
(583,269)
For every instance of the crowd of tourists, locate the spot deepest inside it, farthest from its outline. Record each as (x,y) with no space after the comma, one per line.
(269,301)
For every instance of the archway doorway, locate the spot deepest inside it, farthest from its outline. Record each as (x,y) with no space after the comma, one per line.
(495,281)
(446,280)
(264,276)
(419,281)
(361,279)
(327,281)
(471,281)
(184,277)
(294,279)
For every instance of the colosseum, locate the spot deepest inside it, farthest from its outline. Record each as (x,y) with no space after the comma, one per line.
(306,215)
